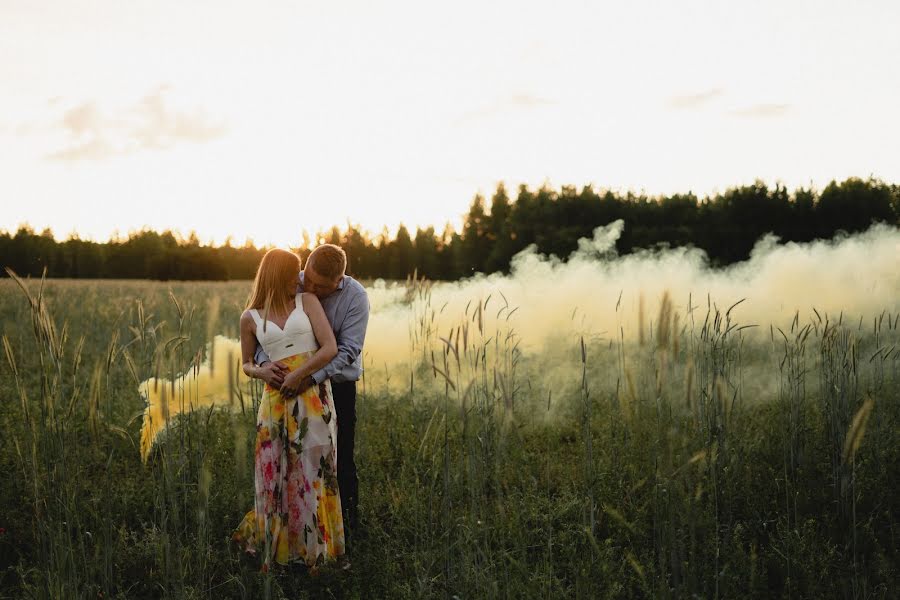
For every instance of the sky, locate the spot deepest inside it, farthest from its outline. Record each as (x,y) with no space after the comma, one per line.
(261,120)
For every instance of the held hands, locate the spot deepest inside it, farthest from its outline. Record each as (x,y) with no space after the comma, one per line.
(273,373)
(294,384)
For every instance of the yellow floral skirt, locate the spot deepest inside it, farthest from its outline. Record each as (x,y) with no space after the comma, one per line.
(297,507)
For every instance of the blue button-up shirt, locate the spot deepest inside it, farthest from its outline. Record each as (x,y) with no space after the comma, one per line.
(347,309)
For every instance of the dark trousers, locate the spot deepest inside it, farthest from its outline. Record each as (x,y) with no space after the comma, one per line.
(345,407)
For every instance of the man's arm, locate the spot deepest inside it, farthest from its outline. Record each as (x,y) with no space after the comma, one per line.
(350,340)
(260,356)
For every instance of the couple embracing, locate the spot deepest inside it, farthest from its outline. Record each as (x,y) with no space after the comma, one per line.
(302,334)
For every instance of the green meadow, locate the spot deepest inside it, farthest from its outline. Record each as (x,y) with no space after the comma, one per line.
(698,457)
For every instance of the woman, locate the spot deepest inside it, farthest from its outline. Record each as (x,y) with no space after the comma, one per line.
(297,508)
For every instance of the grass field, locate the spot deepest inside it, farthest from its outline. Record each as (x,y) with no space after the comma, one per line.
(693,458)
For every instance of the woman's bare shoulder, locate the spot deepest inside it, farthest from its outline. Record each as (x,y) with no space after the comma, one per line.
(309,299)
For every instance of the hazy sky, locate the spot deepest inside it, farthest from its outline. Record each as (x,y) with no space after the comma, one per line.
(261,119)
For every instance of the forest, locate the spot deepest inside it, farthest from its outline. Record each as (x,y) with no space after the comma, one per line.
(725,225)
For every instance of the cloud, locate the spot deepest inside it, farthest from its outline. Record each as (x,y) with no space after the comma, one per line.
(762,111)
(528,101)
(92,149)
(518,101)
(149,124)
(83,119)
(703,98)
(160,127)
(695,100)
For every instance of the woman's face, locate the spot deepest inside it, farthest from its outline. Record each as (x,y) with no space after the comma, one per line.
(291,284)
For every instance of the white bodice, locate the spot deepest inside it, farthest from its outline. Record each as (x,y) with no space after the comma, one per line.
(297,336)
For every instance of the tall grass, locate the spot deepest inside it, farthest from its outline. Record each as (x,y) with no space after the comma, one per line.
(698,458)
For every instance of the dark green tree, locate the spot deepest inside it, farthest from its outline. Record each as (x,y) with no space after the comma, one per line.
(500,232)
(402,262)
(426,253)
(475,240)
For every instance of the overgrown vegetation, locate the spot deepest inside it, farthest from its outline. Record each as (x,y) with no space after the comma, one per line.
(704,459)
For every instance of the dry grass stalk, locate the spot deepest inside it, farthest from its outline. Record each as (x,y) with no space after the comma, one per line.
(723,397)
(689,385)
(662,364)
(641,319)
(675,335)
(631,399)
(23,395)
(857,430)
(664,321)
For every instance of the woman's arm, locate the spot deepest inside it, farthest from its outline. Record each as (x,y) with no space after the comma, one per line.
(248,345)
(293,383)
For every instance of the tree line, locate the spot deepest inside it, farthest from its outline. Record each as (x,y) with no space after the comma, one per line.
(725,225)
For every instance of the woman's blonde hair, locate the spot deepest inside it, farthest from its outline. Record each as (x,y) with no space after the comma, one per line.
(277,269)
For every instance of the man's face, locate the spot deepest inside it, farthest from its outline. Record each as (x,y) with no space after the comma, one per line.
(318,285)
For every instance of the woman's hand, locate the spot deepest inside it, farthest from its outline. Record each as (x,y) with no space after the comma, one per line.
(272,372)
(296,383)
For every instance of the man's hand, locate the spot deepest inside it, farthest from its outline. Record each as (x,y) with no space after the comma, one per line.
(273,373)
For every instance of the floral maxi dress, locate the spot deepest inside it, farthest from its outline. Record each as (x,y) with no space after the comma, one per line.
(297,506)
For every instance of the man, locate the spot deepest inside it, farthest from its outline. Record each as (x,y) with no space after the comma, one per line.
(346,306)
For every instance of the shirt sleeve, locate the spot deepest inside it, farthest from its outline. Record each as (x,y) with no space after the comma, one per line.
(260,356)
(350,339)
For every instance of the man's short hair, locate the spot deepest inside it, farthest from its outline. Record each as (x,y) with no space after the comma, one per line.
(328,260)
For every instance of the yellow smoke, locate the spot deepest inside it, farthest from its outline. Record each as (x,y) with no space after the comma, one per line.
(217,381)
(595,293)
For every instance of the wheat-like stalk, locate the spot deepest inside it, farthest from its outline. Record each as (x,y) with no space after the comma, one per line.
(857,430)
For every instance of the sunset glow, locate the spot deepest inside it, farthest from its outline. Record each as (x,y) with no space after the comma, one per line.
(260,121)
